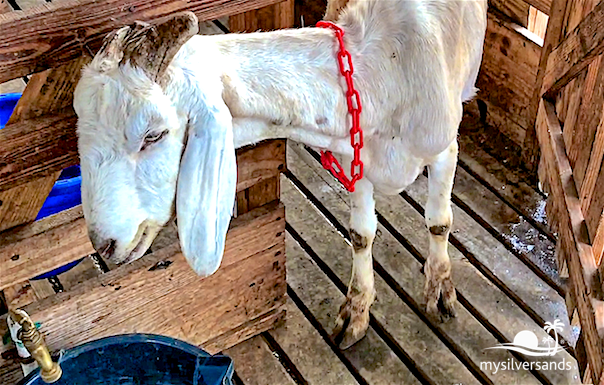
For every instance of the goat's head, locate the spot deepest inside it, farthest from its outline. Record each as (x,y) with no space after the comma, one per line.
(144,152)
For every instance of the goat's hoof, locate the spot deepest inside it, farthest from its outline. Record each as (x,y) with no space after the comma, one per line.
(440,296)
(352,322)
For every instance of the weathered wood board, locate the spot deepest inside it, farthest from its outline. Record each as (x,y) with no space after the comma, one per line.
(53,34)
(176,301)
(506,78)
(485,300)
(255,364)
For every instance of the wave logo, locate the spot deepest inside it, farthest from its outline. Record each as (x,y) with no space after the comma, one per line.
(526,342)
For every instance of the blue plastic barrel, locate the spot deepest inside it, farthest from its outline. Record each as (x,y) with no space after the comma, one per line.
(64,195)
(139,359)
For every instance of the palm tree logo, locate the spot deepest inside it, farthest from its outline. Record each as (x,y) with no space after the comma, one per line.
(526,342)
(556,326)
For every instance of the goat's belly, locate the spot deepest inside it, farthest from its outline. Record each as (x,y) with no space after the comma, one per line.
(391,167)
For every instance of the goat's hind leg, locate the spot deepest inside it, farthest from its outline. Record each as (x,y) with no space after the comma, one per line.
(353,320)
(439,218)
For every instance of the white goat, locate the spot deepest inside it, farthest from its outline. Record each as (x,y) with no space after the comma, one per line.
(161,113)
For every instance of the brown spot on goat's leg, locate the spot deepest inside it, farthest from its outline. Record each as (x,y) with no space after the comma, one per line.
(439,230)
(359,242)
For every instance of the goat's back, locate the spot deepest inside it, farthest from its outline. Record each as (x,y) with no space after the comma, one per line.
(422,57)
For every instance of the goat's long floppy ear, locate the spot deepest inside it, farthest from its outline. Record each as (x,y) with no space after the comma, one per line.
(150,47)
(206,189)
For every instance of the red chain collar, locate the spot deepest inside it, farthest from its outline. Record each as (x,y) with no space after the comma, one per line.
(328,161)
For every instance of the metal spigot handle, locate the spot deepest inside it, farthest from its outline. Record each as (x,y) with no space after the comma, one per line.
(33,341)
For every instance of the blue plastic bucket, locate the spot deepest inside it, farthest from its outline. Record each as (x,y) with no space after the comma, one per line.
(64,195)
(139,359)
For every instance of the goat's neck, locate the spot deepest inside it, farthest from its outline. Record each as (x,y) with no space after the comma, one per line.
(286,78)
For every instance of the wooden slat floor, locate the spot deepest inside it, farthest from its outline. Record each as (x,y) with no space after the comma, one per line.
(502,253)
(503,267)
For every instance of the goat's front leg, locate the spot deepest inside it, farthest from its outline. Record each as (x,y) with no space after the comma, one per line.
(353,320)
(439,218)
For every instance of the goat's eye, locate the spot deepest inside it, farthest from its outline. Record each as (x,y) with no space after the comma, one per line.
(153,138)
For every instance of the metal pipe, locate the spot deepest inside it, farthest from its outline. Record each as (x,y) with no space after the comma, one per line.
(33,341)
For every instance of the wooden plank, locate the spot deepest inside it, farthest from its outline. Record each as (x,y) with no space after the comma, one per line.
(542,5)
(510,227)
(25,254)
(537,23)
(598,245)
(574,91)
(255,364)
(17,204)
(260,162)
(253,327)
(176,302)
(280,15)
(82,272)
(573,234)
(36,148)
(311,355)
(43,37)
(587,121)
(42,287)
(371,356)
(258,174)
(516,10)
(483,297)
(22,204)
(19,295)
(55,241)
(195,312)
(509,183)
(592,190)
(258,195)
(531,150)
(593,213)
(575,53)
(12,86)
(46,92)
(507,74)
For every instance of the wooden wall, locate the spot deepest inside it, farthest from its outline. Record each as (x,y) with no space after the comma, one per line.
(570,130)
(509,69)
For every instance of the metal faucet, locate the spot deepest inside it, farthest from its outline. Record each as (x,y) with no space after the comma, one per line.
(33,341)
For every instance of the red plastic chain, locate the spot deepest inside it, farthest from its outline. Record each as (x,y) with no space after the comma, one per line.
(353,98)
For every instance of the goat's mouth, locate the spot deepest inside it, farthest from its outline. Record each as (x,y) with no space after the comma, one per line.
(145,238)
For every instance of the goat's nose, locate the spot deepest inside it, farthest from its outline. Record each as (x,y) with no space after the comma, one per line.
(106,249)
